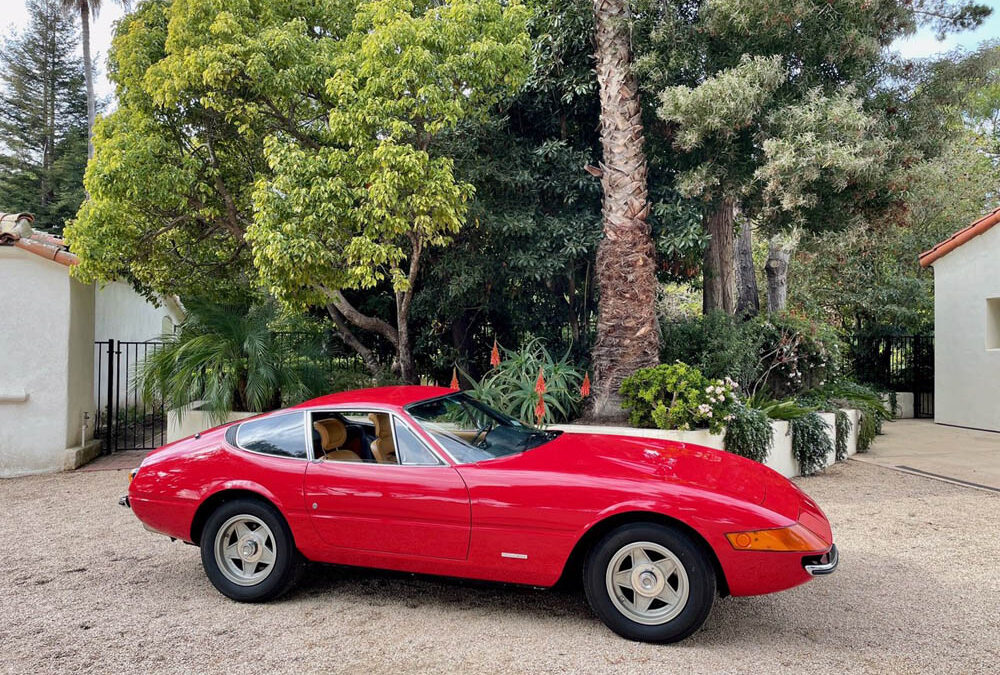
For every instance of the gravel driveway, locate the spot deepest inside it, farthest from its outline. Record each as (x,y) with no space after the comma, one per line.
(83,588)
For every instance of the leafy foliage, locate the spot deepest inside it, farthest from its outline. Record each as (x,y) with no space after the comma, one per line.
(847,394)
(749,433)
(774,357)
(230,358)
(844,425)
(811,444)
(511,386)
(677,396)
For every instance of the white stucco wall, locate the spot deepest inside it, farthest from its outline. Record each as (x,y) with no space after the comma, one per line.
(966,373)
(123,314)
(46,322)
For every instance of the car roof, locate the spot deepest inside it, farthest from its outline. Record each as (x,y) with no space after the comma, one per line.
(398,396)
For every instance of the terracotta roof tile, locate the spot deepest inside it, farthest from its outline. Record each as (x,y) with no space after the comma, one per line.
(15,230)
(960,237)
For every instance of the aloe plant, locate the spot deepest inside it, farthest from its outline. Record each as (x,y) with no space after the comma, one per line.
(511,386)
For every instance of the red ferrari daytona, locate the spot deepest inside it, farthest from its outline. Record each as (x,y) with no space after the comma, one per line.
(429,480)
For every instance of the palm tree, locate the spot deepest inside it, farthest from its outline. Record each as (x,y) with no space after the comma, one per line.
(87,9)
(627,332)
(231,358)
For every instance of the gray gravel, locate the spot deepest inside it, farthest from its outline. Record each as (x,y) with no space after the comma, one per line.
(83,588)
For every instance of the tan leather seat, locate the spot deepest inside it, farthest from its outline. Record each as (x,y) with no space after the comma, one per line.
(332,435)
(383,447)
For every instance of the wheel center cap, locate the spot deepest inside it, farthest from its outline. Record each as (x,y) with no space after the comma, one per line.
(647,581)
(248,549)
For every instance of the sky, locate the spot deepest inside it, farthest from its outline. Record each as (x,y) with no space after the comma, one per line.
(14,16)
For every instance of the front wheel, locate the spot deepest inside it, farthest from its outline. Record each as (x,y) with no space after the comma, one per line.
(650,583)
(247,551)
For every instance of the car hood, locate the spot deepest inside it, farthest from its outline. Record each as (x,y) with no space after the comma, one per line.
(678,463)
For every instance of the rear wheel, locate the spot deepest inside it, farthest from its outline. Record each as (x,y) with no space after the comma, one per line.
(650,583)
(247,551)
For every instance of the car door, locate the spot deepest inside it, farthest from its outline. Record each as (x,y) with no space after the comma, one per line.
(418,506)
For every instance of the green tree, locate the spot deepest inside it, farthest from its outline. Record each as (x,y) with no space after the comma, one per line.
(767,108)
(297,137)
(43,123)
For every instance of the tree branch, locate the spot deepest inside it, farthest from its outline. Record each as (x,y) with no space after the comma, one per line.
(360,320)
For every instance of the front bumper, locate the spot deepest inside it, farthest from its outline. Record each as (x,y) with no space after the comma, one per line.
(123,501)
(822,564)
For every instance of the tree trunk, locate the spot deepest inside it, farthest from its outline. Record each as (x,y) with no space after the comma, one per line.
(88,74)
(748,297)
(345,333)
(627,333)
(404,348)
(719,269)
(776,268)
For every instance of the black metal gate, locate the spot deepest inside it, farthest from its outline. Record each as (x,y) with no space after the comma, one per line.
(898,363)
(125,420)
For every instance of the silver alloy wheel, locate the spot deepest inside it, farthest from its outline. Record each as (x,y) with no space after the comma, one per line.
(245,550)
(647,583)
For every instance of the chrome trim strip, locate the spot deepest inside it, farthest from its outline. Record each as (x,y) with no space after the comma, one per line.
(516,556)
(820,569)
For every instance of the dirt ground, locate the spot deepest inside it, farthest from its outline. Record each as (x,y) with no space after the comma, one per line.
(83,588)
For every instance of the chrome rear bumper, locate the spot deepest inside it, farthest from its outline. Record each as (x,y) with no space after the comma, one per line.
(823,564)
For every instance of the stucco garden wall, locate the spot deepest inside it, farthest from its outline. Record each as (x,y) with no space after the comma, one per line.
(966,368)
(780,458)
(46,362)
(123,314)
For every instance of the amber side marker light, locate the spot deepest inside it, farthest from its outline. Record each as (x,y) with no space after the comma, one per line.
(131,475)
(795,538)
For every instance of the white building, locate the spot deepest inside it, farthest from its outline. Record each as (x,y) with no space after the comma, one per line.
(48,325)
(967,325)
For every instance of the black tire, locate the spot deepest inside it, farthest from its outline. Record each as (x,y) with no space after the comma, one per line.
(679,620)
(278,578)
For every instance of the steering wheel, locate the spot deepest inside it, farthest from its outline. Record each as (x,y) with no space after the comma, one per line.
(479,440)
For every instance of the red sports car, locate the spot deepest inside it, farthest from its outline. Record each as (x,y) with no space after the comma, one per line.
(429,480)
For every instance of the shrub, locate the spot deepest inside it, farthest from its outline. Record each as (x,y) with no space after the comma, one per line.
(677,396)
(748,433)
(810,444)
(795,356)
(510,386)
(777,356)
(716,344)
(843,428)
(847,394)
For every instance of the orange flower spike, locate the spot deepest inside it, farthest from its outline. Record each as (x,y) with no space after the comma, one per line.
(454,379)
(585,387)
(540,383)
(495,354)
(540,409)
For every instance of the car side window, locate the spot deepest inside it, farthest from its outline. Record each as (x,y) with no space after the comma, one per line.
(280,435)
(411,450)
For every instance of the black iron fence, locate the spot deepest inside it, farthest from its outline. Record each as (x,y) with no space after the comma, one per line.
(125,420)
(903,363)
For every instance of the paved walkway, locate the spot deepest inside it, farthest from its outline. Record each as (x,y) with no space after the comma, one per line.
(923,447)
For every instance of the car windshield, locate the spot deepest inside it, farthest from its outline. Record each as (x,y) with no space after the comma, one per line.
(472,432)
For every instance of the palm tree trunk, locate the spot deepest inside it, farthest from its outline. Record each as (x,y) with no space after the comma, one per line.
(627,334)
(719,270)
(88,75)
